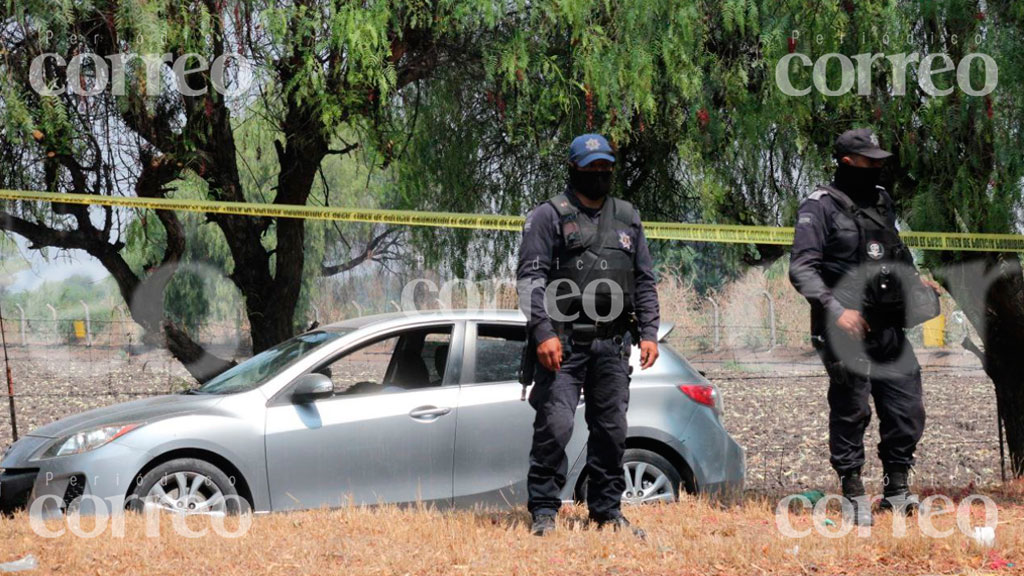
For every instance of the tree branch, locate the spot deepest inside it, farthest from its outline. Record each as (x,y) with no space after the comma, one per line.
(375,250)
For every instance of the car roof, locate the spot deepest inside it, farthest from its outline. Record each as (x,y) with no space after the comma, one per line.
(416,316)
(485,315)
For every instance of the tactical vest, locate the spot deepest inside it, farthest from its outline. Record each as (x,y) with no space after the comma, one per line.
(596,261)
(877,286)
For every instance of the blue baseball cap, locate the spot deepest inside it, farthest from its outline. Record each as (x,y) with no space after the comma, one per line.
(589,147)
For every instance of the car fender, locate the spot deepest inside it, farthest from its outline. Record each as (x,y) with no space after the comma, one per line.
(239,443)
(637,432)
(675,444)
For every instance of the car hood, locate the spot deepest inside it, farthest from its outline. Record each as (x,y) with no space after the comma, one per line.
(145,410)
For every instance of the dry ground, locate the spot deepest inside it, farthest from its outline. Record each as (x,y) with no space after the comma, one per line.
(690,537)
(776,408)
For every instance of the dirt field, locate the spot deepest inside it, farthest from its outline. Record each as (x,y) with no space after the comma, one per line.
(775,407)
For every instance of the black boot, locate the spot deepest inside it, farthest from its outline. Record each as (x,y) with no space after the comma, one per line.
(618,522)
(856,505)
(543,524)
(896,494)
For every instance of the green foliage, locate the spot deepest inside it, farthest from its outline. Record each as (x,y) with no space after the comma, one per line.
(66,296)
(493,92)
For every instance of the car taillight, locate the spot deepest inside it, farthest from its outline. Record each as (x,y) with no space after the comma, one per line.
(700,393)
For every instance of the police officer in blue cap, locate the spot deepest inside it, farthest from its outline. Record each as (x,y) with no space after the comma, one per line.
(587,287)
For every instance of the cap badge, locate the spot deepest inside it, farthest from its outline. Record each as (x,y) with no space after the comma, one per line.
(874,139)
(593,144)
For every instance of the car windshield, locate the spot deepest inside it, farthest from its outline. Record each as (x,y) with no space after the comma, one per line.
(267,364)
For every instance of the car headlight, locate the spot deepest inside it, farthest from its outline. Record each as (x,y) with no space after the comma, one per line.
(87,440)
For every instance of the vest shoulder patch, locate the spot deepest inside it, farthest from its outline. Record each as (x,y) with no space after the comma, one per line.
(562,205)
(817,194)
(624,211)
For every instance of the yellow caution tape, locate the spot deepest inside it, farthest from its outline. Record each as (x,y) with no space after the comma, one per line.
(724,233)
(402,217)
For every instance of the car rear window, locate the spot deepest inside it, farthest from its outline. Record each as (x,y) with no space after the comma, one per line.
(499,349)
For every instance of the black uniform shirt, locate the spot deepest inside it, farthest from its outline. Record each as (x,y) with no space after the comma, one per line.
(542,242)
(826,244)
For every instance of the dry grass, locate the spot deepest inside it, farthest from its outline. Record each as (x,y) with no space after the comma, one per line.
(691,537)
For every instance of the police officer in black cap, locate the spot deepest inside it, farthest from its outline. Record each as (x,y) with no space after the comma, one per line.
(859,277)
(586,284)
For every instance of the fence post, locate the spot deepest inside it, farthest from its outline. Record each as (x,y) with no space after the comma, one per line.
(717,328)
(771,317)
(126,337)
(316,313)
(124,323)
(10,381)
(22,324)
(88,326)
(397,307)
(53,314)
(359,309)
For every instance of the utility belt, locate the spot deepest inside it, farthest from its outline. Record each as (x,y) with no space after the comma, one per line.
(582,332)
(585,331)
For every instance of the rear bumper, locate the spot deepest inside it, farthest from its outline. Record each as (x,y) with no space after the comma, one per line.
(720,463)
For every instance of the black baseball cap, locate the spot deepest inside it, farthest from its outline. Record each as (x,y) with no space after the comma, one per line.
(861,141)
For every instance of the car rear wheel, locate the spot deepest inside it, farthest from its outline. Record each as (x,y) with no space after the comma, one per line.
(650,478)
(187,486)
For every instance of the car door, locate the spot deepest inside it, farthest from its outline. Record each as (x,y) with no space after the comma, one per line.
(386,436)
(495,427)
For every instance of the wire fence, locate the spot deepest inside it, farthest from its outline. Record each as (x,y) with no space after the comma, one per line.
(112,333)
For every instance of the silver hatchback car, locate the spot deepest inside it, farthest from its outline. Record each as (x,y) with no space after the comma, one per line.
(391,408)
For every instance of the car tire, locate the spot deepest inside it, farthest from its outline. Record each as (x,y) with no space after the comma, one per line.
(651,467)
(207,489)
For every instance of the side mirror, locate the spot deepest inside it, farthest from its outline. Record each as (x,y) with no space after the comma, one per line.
(310,387)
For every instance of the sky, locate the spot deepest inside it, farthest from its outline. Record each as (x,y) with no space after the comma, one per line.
(60,266)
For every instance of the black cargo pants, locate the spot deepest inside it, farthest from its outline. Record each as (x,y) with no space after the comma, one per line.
(882,367)
(600,368)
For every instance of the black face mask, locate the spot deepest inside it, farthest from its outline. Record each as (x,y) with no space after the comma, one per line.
(858,183)
(593,185)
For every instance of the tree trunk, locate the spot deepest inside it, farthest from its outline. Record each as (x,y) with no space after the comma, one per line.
(145,300)
(990,290)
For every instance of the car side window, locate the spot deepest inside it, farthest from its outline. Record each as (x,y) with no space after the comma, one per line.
(361,368)
(409,360)
(435,355)
(498,350)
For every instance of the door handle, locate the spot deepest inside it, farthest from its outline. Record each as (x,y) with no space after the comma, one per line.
(429,412)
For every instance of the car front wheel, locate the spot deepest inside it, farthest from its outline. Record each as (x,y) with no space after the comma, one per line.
(186,486)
